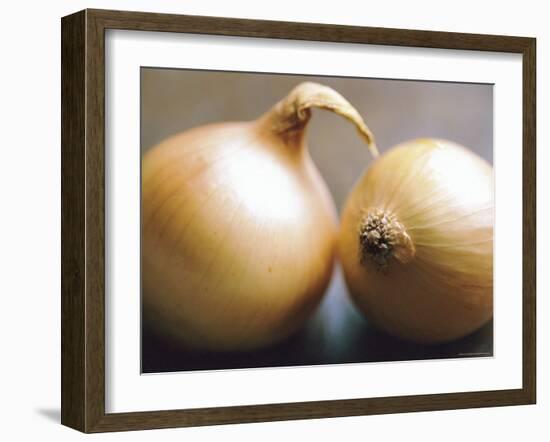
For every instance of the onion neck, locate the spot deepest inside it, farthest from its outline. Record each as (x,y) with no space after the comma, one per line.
(289,117)
(382,238)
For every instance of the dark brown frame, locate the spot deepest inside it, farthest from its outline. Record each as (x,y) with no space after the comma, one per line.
(83,216)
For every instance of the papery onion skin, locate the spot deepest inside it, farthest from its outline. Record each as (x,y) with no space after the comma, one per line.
(238,229)
(436,284)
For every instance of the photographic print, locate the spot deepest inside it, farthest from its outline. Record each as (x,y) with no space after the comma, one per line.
(251,204)
(291,220)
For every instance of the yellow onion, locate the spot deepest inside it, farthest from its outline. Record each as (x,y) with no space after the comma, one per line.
(416,241)
(238,227)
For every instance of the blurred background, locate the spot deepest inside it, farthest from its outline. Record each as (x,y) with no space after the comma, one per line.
(174,100)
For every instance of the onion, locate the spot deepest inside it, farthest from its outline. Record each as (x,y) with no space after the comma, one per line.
(238,227)
(416,241)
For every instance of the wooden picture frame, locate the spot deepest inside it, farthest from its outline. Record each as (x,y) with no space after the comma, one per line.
(83,220)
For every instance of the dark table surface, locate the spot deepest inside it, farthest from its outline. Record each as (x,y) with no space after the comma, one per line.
(337,333)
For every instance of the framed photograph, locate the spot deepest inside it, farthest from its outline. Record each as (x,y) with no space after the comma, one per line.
(268,220)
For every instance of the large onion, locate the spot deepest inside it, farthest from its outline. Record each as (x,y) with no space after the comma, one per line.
(416,241)
(238,228)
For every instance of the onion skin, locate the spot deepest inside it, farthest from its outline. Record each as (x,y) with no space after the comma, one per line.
(238,229)
(437,283)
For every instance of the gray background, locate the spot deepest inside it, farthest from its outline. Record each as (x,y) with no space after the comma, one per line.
(395,110)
